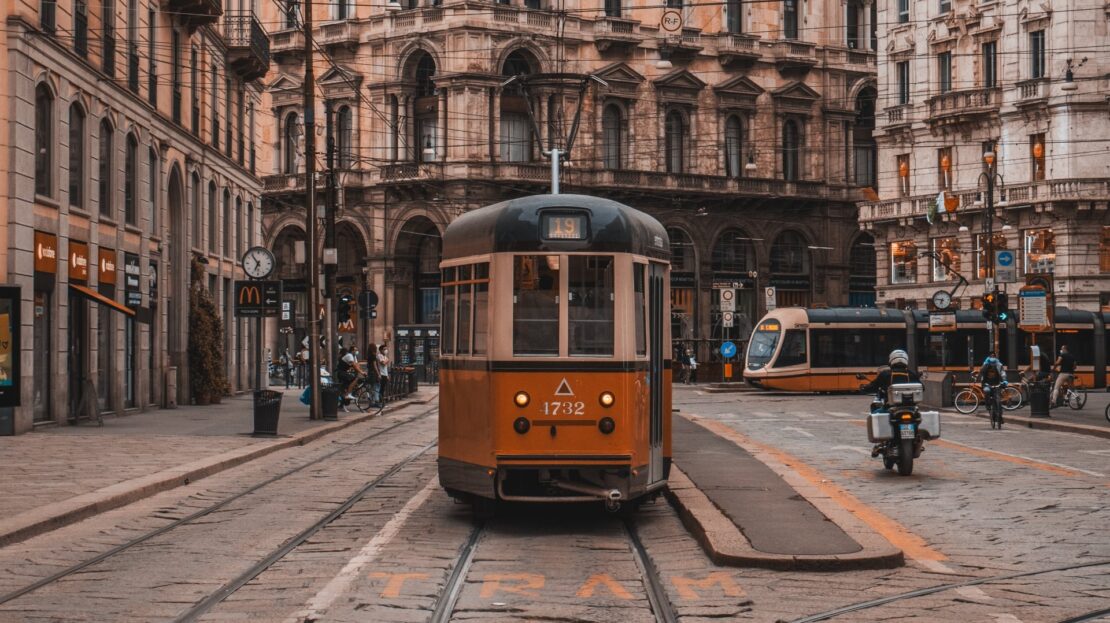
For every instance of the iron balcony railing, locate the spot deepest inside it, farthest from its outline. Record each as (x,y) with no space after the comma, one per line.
(248,44)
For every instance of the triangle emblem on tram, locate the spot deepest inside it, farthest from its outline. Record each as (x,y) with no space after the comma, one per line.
(564,389)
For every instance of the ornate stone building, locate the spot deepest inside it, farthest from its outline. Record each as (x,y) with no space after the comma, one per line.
(129,134)
(746,130)
(1016,79)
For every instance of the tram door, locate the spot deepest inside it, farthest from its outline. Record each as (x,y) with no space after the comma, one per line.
(656,354)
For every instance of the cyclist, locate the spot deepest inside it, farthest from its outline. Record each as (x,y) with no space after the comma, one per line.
(992,377)
(898,372)
(1065,368)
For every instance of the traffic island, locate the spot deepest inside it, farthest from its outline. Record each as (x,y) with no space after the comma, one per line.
(746,514)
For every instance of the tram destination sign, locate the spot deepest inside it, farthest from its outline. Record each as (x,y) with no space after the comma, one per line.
(257,299)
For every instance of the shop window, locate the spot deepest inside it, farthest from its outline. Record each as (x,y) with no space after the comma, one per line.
(903,262)
(1040,251)
(43,337)
(590,305)
(536,305)
(947,249)
(981,252)
(790,254)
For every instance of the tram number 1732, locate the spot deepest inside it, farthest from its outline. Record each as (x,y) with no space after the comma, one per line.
(564,407)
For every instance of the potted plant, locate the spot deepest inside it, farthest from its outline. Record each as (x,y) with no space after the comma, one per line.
(206,354)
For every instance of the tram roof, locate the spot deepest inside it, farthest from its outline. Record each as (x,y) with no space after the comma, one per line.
(515,225)
(856,314)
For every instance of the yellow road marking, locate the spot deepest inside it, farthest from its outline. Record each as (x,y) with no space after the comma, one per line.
(723,579)
(397,581)
(911,545)
(527,584)
(606,580)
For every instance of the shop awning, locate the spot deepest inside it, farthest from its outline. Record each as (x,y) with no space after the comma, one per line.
(97,297)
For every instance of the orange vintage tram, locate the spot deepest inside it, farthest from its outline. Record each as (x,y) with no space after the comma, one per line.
(554,379)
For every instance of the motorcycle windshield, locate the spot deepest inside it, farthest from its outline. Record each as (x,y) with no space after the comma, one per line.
(762,347)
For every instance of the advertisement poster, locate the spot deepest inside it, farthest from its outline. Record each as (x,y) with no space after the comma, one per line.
(9,346)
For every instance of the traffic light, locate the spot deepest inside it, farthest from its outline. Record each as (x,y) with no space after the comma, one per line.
(990,305)
(344,310)
(1002,312)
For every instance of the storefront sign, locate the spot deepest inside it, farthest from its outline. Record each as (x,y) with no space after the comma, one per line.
(737,281)
(153,279)
(106,267)
(256,299)
(791,283)
(683,280)
(940,322)
(78,261)
(46,253)
(132,278)
(9,346)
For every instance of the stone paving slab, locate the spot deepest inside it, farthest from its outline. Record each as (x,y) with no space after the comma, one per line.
(59,475)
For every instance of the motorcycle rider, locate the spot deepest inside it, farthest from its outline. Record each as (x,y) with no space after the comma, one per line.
(899,371)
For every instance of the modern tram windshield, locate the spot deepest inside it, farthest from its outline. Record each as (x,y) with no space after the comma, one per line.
(763,343)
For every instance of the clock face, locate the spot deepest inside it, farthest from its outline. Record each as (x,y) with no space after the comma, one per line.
(258,262)
(942,299)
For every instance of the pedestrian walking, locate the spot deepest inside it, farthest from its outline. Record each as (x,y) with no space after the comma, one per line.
(383,370)
(286,362)
(693,369)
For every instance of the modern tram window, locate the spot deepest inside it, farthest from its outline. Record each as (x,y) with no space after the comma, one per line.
(590,304)
(763,343)
(1080,343)
(853,348)
(464,318)
(641,308)
(793,351)
(536,305)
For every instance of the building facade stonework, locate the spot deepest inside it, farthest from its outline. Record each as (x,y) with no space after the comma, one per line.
(746,131)
(130,132)
(1018,80)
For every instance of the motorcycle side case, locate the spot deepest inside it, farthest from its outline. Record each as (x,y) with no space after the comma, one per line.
(930,424)
(878,427)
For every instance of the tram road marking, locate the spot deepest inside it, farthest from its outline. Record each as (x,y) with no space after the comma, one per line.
(342,581)
(607,581)
(1047,466)
(912,545)
(798,430)
(526,584)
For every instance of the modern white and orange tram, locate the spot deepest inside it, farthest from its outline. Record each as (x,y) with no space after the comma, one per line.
(822,350)
(554,375)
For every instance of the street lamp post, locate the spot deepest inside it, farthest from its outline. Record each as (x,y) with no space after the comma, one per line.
(988,226)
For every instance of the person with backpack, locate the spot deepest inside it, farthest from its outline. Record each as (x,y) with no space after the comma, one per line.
(899,371)
(1065,375)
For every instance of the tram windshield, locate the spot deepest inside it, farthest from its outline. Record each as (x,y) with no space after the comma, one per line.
(763,343)
(590,304)
(536,305)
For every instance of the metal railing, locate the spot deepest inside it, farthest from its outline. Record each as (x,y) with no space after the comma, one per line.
(967,101)
(243,30)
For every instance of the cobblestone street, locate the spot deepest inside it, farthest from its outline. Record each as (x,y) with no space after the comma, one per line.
(354,527)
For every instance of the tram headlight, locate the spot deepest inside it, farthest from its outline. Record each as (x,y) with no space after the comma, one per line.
(521,425)
(607,399)
(521,399)
(606,425)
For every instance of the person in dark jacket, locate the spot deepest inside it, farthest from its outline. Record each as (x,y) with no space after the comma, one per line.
(898,372)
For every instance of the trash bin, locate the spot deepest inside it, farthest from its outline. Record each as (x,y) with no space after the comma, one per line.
(330,406)
(1039,394)
(7,421)
(267,407)
(411,374)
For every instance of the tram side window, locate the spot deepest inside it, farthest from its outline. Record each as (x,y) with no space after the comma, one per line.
(793,351)
(641,308)
(447,342)
(481,317)
(536,305)
(826,349)
(1080,343)
(590,304)
(464,320)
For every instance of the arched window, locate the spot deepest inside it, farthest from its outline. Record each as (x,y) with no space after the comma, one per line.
(248,227)
(152,188)
(213,216)
(790,19)
(227,222)
(343,124)
(612,140)
(290,137)
(197,212)
(425,70)
(131,181)
(675,142)
(516,129)
(77,156)
(734,160)
(865,153)
(790,254)
(791,145)
(394,128)
(733,253)
(105,187)
(239,226)
(44,140)
(425,112)
(683,257)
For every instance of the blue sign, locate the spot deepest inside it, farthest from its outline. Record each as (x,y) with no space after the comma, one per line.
(1005,258)
(728,350)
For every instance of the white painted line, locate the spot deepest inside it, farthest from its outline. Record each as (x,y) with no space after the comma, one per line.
(853,449)
(763,414)
(935,566)
(843,414)
(327,595)
(797,430)
(1099,452)
(805,415)
(1025,458)
(1005,618)
(974,593)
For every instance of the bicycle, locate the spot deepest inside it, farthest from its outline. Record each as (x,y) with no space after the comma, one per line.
(1075,395)
(995,407)
(365,397)
(969,398)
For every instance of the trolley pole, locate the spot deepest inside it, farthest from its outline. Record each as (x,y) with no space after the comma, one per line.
(330,252)
(314,359)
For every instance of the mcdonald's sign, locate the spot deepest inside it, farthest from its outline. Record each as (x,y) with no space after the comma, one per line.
(256,299)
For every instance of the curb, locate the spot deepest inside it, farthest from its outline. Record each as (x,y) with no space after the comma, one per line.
(725,544)
(1050,424)
(50,517)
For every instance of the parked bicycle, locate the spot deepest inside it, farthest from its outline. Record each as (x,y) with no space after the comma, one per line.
(366,394)
(1075,395)
(970,397)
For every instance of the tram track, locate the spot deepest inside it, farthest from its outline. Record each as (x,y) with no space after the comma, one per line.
(193,517)
(882,601)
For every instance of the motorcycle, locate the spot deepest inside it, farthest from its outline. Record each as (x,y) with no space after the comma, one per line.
(898,428)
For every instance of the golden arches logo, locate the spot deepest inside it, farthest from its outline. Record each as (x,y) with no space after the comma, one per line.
(250,295)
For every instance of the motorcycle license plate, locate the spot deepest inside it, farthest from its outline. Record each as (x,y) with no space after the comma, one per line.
(906,429)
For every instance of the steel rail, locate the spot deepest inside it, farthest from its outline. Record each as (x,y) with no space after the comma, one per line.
(445,605)
(50,579)
(864,605)
(258,568)
(653,584)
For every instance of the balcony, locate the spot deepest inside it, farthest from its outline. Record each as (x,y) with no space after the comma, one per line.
(195,13)
(248,46)
(794,57)
(957,107)
(1016,196)
(342,34)
(1032,93)
(685,46)
(850,59)
(614,33)
(287,43)
(736,50)
(901,115)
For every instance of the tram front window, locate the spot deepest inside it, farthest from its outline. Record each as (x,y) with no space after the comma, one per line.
(762,346)
(590,304)
(536,305)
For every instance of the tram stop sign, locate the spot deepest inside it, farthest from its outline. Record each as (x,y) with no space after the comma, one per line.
(728,350)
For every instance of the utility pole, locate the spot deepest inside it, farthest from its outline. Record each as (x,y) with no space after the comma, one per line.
(989,159)
(314,359)
(330,252)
